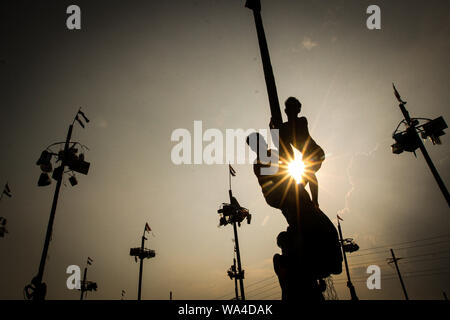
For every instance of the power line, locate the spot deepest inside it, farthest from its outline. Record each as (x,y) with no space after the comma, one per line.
(276,288)
(253,283)
(375,261)
(250,285)
(423,245)
(270,295)
(427,270)
(405,258)
(393,274)
(264,286)
(366,263)
(260,290)
(417,246)
(401,243)
(410,274)
(339,281)
(223,296)
(360,278)
(390,276)
(428,259)
(427,254)
(267,290)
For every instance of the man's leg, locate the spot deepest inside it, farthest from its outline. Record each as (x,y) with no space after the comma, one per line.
(314,187)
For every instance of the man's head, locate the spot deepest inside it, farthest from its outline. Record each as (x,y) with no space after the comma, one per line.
(293,107)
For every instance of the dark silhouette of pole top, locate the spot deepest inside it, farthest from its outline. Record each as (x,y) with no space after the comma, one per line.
(410,141)
(274,103)
(253,5)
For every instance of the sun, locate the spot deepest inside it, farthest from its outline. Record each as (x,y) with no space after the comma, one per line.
(296,167)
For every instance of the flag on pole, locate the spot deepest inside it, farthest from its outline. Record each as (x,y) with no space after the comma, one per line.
(84,116)
(339,218)
(89,261)
(7,191)
(232,171)
(79,120)
(148,229)
(397,95)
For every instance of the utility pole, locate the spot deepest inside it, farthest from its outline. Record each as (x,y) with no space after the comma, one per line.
(142,253)
(394,260)
(233,274)
(411,130)
(141,266)
(349,281)
(233,213)
(235,281)
(238,254)
(38,289)
(83,284)
(3,221)
(6,191)
(41,288)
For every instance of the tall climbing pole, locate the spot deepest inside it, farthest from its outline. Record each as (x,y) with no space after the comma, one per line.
(277,120)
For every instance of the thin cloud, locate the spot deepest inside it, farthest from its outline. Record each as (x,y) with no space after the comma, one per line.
(309,44)
(103,124)
(348,195)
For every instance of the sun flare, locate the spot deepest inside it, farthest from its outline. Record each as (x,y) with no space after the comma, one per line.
(296,167)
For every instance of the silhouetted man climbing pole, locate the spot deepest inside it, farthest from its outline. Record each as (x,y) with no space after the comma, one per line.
(295,133)
(310,245)
(295,129)
(310,249)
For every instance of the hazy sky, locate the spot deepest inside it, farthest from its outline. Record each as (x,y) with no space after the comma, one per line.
(141,69)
